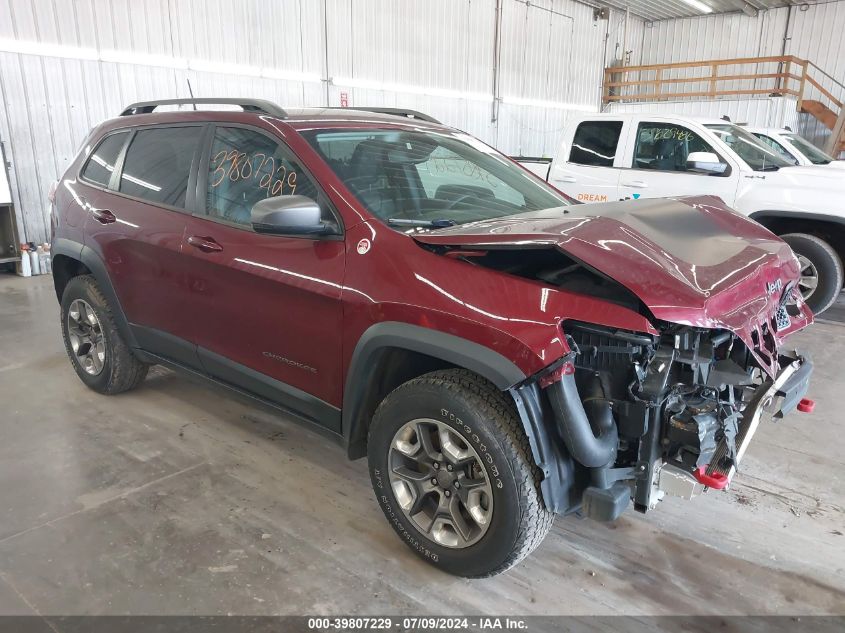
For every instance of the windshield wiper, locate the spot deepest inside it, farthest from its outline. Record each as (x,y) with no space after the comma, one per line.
(428,224)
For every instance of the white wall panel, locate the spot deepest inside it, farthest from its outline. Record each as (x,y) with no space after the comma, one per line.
(551,55)
(812,31)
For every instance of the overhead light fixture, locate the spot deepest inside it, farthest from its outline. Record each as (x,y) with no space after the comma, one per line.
(207,66)
(553,105)
(41,49)
(143,59)
(289,75)
(368,84)
(748,9)
(47,50)
(700,6)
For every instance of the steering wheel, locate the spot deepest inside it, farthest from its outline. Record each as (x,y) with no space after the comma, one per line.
(457,201)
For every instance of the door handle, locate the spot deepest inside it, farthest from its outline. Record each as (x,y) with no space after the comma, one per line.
(103,216)
(639,184)
(205,244)
(566,179)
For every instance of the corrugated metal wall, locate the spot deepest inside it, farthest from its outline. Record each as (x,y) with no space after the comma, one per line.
(436,56)
(813,32)
(818,34)
(714,37)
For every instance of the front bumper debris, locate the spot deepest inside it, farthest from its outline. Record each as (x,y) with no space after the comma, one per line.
(776,397)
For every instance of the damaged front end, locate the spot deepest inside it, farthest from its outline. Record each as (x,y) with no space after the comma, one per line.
(651,415)
(670,405)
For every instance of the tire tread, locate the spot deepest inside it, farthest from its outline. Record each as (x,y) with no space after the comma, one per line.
(126,372)
(834,259)
(535,520)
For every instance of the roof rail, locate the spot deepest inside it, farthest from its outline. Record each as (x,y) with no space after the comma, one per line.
(249,105)
(411,114)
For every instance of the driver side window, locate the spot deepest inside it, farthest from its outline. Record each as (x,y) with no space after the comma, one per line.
(780,149)
(246,167)
(665,147)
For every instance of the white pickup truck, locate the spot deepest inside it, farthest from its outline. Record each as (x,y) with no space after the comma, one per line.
(607,157)
(794,148)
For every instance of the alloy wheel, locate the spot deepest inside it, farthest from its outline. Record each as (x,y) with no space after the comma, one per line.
(440,483)
(809,279)
(86,337)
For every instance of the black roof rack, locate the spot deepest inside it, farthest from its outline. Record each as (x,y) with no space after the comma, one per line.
(411,114)
(249,105)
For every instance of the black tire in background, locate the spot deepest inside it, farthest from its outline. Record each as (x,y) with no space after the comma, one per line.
(485,419)
(824,265)
(120,370)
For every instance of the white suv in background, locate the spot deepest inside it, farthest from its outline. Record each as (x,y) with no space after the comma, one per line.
(794,148)
(606,157)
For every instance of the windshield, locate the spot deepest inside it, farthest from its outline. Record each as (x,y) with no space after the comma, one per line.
(813,153)
(430,179)
(748,147)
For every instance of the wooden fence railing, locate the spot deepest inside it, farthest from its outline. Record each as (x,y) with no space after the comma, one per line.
(714,78)
(786,75)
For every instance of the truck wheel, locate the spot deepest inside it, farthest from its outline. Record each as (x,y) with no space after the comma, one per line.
(453,473)
(821,270)
(99,355)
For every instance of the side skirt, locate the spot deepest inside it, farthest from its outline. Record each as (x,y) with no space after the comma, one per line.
(183,356)
(306,421)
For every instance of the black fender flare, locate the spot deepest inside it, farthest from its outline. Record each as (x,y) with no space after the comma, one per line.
(760,216)
(440,345)
(93,262)
(548,453)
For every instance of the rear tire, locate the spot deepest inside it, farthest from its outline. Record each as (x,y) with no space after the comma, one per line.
(101,358)
(820,265)
(473,431)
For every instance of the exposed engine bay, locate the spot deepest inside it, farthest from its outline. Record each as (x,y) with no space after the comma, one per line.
(553,267)
(638,416)
(684,405)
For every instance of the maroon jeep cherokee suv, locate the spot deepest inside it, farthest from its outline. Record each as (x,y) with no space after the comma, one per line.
(498,353)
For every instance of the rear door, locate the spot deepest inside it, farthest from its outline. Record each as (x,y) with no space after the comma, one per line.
(135,223)
(266,309)
(590,172)
(656,164)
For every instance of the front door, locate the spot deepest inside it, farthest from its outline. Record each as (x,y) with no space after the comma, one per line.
(267,308)
(657,165)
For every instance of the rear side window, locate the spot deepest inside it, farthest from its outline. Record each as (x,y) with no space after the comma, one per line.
(158,164)
(595,143)
(101,163)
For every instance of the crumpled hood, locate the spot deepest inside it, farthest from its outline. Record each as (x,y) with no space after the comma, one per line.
(690,260)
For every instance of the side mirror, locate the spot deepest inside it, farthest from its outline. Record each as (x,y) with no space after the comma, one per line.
(289,215)
(705,163)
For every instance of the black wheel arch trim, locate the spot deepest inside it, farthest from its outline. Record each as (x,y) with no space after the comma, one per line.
(548,453)
(797,215)
(89,258)
(558,486)
(440,345)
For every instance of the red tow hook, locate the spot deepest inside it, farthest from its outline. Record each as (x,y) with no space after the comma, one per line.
(806,405)
(718,481)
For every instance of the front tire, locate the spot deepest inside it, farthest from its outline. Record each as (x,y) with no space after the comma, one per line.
(102,360)
(821,270)
(452,470)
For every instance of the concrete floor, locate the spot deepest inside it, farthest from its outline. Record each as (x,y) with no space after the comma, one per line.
(178,499)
